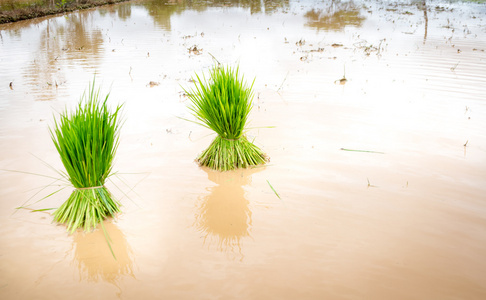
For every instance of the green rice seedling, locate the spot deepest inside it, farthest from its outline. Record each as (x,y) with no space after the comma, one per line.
(223,104)
(86,141)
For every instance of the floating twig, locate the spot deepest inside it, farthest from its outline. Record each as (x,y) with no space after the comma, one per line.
(369,184)
(343,80)
(283,81)
(367,151)
(215,59)
(454,68)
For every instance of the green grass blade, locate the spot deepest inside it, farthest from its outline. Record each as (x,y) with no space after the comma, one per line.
(273,190)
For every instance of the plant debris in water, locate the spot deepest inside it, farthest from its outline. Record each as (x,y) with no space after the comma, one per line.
(86,141)
(223,104)
(195,50)
(273,190)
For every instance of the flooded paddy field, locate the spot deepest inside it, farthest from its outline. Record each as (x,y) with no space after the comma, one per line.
(373,115)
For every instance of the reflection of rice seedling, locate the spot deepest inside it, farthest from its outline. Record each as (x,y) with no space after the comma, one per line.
(86,141)
(95,262)
(224,217)
(223,104)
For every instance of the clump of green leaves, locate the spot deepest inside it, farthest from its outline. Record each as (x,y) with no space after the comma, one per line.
(223,104)
(86,141)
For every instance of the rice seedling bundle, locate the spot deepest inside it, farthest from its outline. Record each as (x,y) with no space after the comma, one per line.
(86,141)
(223,104)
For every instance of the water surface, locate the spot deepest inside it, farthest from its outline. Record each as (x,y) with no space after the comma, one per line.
(406,221)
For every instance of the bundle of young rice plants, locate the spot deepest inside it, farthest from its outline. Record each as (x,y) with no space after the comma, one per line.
(223,104)
(86,140)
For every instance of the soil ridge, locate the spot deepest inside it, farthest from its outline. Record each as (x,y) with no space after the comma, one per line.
(37,10)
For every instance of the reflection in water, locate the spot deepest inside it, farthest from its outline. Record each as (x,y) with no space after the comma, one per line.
(335,17)
(224,214)
(123,11)
(161,11)
(94,258)
(70,38)
(423,6)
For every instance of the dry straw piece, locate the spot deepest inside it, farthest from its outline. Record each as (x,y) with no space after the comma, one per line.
(86,141)
(223,104)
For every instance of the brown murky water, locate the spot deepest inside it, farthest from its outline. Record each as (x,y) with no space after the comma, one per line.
(407,221)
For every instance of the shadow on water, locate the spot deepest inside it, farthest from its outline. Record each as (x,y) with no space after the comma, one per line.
(224,216)
(94,259)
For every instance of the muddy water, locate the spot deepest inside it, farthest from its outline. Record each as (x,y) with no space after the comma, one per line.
(406,221)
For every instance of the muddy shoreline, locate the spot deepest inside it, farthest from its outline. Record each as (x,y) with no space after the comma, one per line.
(41,10)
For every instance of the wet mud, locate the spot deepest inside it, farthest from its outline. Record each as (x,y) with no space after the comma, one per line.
(18,10)
(372,114)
